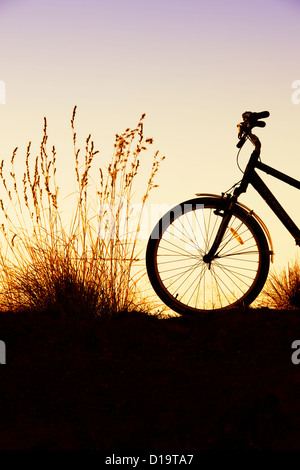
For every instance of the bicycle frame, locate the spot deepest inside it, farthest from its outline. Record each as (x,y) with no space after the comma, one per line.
(251,177)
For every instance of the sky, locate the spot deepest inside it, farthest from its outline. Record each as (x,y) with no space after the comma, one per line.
(192,66)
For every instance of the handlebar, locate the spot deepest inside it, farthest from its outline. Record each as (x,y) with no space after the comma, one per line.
(245,127)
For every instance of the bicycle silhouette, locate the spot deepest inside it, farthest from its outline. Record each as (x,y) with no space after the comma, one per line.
(212,252)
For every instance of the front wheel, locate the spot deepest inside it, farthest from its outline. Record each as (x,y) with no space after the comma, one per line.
(181,275)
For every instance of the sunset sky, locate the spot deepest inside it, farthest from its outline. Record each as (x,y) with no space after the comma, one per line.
(192,66)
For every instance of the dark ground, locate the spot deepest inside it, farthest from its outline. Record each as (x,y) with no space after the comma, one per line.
(225,381)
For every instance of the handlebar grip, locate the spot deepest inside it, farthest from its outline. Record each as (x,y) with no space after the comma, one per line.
(259,124)
(252,117)
(261,115)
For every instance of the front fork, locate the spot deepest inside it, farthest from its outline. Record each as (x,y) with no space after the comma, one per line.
(226,214)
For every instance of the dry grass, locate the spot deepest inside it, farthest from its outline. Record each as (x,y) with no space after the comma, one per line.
(90,267)
(282,290)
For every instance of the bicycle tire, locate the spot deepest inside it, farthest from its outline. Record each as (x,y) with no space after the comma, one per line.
(175,266)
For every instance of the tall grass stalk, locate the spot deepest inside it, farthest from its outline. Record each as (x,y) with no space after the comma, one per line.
(89,267)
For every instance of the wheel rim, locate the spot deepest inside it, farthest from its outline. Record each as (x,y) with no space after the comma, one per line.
(192,283)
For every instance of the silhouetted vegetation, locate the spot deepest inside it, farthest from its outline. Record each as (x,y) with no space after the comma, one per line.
(91,267)
(282,289)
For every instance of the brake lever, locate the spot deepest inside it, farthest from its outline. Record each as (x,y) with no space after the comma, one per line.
(241,127)
(245,128)
(241,142)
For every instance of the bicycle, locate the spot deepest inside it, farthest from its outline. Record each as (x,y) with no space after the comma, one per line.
(212,253)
